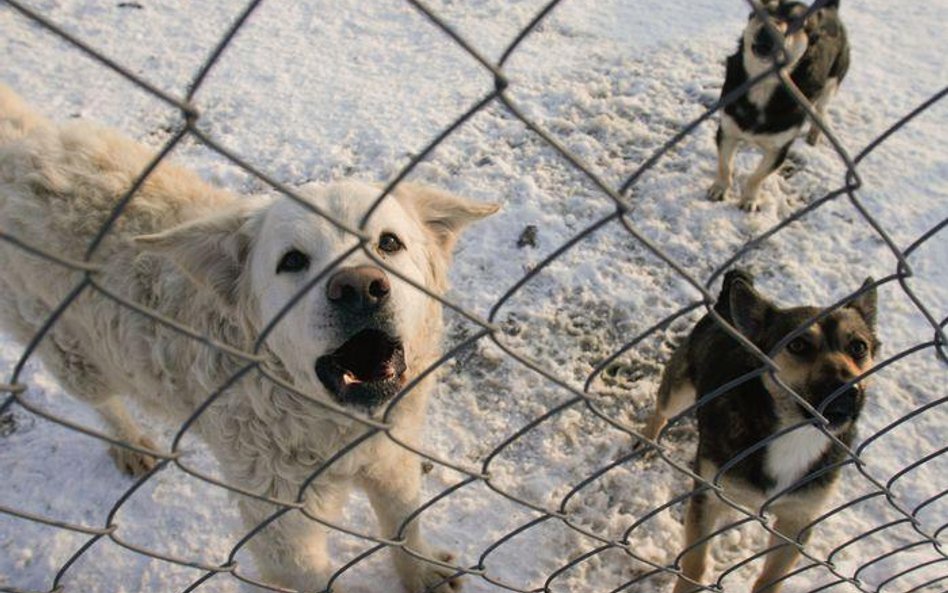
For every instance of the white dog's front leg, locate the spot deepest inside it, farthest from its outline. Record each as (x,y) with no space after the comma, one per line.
(291,551)
(394,492)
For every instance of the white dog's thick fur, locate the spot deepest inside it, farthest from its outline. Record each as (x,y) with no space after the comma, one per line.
(214,262)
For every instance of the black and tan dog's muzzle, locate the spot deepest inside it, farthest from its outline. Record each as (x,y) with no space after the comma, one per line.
(841,407)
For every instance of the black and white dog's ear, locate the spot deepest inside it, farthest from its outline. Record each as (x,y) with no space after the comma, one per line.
(766,6)
(211,250)
(444,215)
(749,310)
(865,303)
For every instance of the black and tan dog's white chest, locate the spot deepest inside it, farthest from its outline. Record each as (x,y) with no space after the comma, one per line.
(767,115)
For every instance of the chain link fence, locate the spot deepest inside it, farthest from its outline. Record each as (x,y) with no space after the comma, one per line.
(597,548)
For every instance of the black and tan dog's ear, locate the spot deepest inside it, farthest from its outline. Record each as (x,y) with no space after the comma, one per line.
(732,276)
(865,303)
(749,310)
(723,305)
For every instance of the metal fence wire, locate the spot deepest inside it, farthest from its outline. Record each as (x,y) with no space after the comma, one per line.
(654,575)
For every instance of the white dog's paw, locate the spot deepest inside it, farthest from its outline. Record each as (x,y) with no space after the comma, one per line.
(423,577)
(717,191)
(131,462)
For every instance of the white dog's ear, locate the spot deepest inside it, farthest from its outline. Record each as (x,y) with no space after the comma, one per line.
(442,213)
(211,250)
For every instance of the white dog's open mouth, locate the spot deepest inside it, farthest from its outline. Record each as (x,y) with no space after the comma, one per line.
(367,370)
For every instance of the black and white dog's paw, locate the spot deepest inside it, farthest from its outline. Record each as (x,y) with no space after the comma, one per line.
(750,203)
(813,136)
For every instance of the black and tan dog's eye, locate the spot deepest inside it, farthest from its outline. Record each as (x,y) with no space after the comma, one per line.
(858,349)
(798,346)
(293,260)
(390,243)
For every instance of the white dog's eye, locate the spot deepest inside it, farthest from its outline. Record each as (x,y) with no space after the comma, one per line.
(390,243)
(293,260)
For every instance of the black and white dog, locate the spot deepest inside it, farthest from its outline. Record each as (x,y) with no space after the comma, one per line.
(767,115)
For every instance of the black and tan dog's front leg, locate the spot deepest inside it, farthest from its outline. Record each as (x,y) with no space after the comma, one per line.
(704,511)
(791,520)
(394,491)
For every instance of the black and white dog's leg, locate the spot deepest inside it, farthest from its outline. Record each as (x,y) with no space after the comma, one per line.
(771,161)
(822,100)
(727,145)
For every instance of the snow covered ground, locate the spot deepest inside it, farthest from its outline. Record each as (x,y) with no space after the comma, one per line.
(318,90)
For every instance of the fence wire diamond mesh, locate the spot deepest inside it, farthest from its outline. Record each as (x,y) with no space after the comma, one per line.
(903,545)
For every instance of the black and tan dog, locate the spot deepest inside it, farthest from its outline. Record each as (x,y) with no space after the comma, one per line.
(767,115)
(820,363)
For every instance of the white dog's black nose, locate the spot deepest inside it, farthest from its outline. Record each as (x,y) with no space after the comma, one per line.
(359,288)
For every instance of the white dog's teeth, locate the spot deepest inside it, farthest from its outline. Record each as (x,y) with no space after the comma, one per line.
(348,378)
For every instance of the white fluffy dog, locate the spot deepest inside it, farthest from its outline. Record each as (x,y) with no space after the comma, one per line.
(226,266)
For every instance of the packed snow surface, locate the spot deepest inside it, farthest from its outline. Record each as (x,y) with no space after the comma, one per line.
(321,90)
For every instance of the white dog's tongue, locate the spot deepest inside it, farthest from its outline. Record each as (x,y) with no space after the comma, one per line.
(350,378)
(367,357)
(364,369)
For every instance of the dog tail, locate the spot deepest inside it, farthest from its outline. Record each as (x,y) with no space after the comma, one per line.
(723,304)
(16,117)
